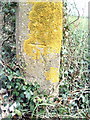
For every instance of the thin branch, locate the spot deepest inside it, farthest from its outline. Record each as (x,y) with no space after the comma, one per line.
(77,16)
(4,64)
(80,90)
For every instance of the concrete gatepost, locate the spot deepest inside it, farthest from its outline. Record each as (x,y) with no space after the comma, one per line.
(39,36)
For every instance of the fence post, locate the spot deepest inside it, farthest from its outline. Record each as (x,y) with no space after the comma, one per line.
(39,36)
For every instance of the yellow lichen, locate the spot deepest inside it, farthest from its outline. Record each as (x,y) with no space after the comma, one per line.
(45,29)
(45,33)
(52,74)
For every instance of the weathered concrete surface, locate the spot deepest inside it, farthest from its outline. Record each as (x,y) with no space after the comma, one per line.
(39,43)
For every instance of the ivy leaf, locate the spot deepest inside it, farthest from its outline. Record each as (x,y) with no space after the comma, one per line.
(9,86)
(22,95)
(28,95)
(12,11)
(24,88)
(5,10)
(18,112)
(10,77)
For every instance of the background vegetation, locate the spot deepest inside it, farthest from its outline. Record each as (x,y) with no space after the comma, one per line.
(24,99)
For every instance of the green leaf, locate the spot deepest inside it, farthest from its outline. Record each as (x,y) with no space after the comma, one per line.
(9,86)
(18,112)
(24,87)
(62,110)
(28,94)
(40,100)
(10,77)
(12,11)
(6,10)
(22,95)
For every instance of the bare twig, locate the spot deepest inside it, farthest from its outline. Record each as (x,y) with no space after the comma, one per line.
(80,90)
(5,64)
(77,16)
